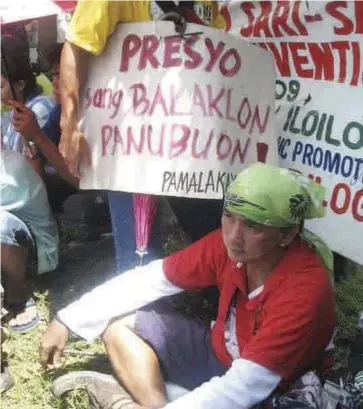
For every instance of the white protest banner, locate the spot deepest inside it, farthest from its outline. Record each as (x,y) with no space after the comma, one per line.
(177,116)
(318,51)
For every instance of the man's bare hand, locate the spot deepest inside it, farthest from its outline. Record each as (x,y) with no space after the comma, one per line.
(53,344)
(74,149)
(25,121)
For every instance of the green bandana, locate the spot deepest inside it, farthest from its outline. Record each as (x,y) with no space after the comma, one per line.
(279,197)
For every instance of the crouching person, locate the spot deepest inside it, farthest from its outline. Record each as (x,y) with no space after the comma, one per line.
(275,317)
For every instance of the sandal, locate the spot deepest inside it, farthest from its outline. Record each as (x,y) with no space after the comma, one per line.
(6,380)
(29,325)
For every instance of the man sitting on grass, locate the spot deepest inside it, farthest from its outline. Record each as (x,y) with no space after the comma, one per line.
(275,318)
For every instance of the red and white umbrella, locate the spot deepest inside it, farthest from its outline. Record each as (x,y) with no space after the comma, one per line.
(145,208)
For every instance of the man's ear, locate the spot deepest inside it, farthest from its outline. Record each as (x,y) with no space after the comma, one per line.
(288,235)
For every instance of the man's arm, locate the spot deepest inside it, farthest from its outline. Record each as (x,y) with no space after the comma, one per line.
(191,268)
(73,74)
(91,25)
(243,386)
(90,315)
(26,123)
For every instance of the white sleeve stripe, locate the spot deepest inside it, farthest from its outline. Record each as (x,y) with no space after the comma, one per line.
(243,386)
(89,316)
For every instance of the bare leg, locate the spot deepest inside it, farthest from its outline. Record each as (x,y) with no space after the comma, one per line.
(13,265)
(135,363)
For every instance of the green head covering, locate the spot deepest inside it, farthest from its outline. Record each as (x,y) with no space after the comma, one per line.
(279,197)
(274,196)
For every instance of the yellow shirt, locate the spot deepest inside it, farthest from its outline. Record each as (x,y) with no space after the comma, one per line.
(94,21)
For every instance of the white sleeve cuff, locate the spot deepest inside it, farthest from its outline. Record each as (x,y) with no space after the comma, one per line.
(89,316)
(243,386)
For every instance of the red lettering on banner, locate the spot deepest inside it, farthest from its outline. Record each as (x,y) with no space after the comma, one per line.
(195,58)
(300,60)
(272,19)
(139,98)
(203,153)
(145,51)
(130,47)
(198,99)
(214,53)
(150,140)
(243,117)
(174,97)
(172,46)
(279,18)
(323,58)
(227,17)
(106,135)
(132,142)
(256,120)
(149,47)
(230,72)
(358,5)
(261,24)
(318,60)
(240,151)
(342,47)
(178,145)
(356,63)
(347,26)
(281,59)
(344,188)
(296,19)
(159,100)
(224,146)
(357,206)
(247,7)
(182,139)
(212,103)
(118,141)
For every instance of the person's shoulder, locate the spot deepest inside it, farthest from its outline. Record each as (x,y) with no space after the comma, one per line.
(42,107)
(41,102)
(305,273)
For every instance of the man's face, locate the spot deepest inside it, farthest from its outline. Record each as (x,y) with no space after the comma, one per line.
(55,82)
(248,241)
(6,94)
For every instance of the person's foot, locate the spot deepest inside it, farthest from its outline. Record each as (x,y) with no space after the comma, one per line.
(6,380)
(26,319)
(104,391)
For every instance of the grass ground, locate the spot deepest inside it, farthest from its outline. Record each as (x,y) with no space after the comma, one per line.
(32,386)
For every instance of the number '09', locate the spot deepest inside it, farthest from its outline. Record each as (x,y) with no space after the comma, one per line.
(291,90)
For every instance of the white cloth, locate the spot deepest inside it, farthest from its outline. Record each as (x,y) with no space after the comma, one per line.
(89,316)
(243,386)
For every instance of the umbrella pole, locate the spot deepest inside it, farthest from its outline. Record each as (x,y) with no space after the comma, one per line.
(141,254)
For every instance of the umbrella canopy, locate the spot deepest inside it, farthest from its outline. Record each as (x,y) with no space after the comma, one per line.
(145,208)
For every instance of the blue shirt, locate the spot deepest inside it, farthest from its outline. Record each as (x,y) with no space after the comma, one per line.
(52,127)
(12,140)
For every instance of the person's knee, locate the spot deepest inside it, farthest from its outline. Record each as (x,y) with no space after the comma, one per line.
(118,330)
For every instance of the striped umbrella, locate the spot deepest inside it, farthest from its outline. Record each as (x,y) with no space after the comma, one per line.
(145,208)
